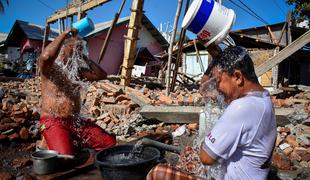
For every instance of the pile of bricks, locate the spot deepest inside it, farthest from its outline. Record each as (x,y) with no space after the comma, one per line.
(19,105)
(292,147)
(116,109)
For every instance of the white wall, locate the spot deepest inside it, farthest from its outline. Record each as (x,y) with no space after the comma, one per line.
(192,67)
(13,53)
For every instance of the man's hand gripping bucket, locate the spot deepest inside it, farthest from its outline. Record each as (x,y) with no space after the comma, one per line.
(209,20)
(84,26)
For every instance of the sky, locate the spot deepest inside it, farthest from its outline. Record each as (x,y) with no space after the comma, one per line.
(158,11)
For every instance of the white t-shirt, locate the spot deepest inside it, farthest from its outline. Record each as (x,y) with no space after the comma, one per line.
(244,137)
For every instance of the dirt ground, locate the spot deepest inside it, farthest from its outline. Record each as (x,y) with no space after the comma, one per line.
(15,158)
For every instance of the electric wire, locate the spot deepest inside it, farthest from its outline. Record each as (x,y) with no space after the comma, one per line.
(46,5)
(263,20)
(278,6)
(246,11)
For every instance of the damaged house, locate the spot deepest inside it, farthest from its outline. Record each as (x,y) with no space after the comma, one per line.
(150,42)
(24,43)
(266,41)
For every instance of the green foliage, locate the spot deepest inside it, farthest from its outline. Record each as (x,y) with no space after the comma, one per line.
(301,9)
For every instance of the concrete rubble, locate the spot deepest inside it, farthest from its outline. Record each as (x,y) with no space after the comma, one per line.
(134,112)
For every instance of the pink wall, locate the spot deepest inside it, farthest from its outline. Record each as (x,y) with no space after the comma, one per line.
(113,57)
(29,43)
(114,52)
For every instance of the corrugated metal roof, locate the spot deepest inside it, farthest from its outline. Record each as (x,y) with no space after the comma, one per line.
(145,21)
(34,31)
(105,26)
(3,37)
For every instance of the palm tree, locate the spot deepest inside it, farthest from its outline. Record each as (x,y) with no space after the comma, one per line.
(2,5)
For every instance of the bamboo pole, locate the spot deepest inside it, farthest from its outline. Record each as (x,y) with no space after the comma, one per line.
(107,38)
(131,41)
(175,24)
(179,54)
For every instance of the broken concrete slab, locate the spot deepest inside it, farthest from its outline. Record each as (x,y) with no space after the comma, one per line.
(172,114)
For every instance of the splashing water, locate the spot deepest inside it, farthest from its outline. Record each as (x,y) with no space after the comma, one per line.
(71,69)
(75,63)
(214,107)
(137,149)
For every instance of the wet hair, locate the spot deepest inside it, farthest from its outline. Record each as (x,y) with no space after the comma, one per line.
(237,58)
(210,66)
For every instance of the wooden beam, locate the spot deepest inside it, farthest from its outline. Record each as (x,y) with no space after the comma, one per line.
(131,41)
(286,52)
(108,36)
(273,37)
(74,11)
(179,54)
(170,51)
(282,32)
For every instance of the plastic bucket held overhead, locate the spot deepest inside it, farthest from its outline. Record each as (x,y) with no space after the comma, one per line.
(84,26)
(209,20)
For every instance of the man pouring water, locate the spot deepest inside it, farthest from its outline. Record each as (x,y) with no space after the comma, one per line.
(61,104)
(243,138)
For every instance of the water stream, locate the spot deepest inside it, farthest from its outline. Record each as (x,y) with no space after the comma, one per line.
(214,107)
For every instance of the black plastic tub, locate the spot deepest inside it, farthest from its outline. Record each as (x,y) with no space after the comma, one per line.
(114,163)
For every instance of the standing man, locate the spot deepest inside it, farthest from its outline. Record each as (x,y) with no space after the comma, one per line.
(244,136)
(242,139)
(61,103)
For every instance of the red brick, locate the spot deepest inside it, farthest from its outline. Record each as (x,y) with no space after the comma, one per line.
(21,162)
(13,137)
(279,140)
(190,100)
(287,151)
(3,137)
(281,161)
(24,133)
(5,176)
(294,156)
(305,157)
(284,129)
(192,126)
(159,130)
(142,134)
(291,140)
(165,99)
(122,97)
(300,151)
(180,100)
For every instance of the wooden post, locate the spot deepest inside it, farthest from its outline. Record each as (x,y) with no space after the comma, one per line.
(272,36)
(275,70)
(131,41)
(198,56)
(79,11)
(179,53)
(45,39)
(107,38)
(289,24)
(46,34)
(59,27)
(63,25)
(175,24)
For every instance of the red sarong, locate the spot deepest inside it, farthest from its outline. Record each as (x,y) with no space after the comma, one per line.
(59,134)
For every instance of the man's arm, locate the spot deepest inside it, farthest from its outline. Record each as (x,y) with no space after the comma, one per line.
(51,52)
(94,73)
(215,52)
(205,158)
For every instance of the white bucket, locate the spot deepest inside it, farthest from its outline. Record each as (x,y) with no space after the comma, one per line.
(209,20)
